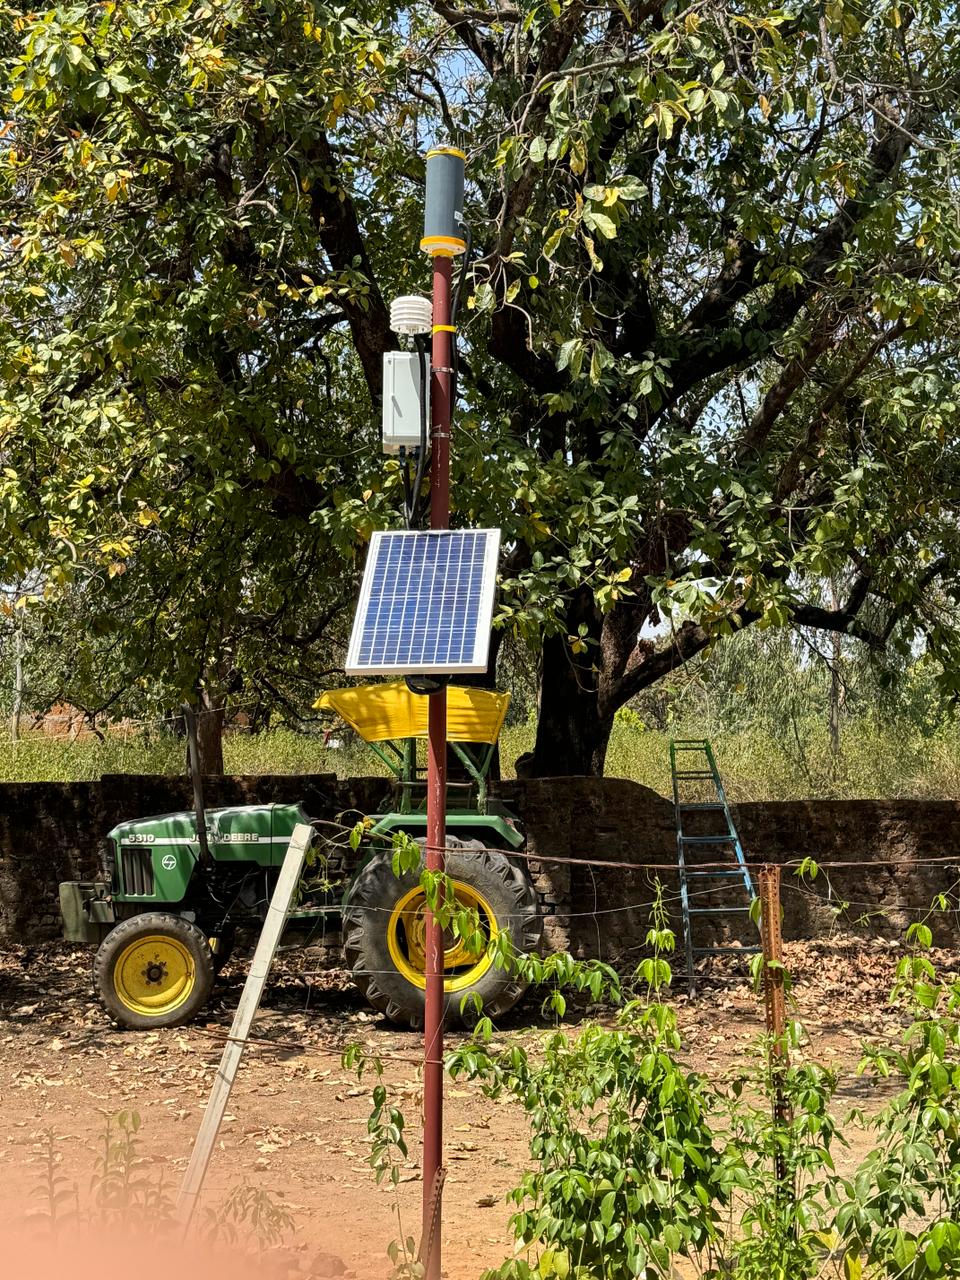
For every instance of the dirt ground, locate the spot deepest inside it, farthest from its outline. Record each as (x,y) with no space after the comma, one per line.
(296,1125)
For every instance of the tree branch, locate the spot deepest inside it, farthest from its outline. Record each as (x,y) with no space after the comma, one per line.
(461,23)
(336,219)
(793,375)
(790,476)
(706,352)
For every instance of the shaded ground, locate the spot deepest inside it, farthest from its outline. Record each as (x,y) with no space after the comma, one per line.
(297,1123)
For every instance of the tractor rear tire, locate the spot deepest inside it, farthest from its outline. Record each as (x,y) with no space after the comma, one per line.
(154,970)
(382,933)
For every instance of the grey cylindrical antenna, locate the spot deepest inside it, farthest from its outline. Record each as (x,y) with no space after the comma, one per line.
(443,206)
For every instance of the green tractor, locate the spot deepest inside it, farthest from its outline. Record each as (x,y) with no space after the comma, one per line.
(175,889)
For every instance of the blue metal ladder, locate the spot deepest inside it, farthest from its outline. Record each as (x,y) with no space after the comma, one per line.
(723,891)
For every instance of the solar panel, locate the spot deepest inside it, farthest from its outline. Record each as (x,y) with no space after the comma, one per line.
(426,603)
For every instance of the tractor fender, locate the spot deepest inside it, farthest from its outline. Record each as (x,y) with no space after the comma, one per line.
(493,830)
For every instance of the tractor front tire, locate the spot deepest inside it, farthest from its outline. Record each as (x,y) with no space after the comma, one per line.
(221,948)
(154,970)
(384,934)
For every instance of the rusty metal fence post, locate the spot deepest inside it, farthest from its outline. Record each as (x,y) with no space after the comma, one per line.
(775,1005)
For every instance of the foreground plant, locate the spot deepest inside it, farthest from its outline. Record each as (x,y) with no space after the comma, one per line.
(128,1191)
(627,1173)
(641,1165)
(901,1209)
(777,1167)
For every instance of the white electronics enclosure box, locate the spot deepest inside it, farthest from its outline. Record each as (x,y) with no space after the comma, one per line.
(402,396)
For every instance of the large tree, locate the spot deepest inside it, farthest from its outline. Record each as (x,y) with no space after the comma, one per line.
(709,339)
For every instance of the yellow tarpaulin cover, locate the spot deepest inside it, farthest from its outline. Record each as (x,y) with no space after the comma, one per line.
(380,711)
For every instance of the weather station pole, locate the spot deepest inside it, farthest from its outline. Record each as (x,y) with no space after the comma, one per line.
(443,238)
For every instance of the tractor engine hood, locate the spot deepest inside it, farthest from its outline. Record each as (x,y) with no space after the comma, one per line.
(156,856)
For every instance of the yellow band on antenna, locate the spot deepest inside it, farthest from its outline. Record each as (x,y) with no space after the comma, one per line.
(447,151)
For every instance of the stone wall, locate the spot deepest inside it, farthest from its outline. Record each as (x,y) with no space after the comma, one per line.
(605,911)
(50,832)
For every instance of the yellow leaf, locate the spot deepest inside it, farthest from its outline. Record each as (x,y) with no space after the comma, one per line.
(146,517)
(18,93)
(852,1267)
(764,106)
(592,253)
(624,575)
(115,568)
(67,253)
(113,191)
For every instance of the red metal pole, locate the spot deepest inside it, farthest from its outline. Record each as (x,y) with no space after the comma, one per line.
(440,416)
(441,408)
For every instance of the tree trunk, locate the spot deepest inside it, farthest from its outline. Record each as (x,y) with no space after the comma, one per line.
(210,731)
(572,736)
(837,688)
(456,771)
(17,711)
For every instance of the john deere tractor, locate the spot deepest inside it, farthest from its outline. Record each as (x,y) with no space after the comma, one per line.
(175,889)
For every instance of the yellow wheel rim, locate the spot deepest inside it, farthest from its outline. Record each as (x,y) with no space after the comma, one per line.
(406,940)
(154,975)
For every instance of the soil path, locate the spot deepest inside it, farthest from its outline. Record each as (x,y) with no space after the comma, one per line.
(297,1122)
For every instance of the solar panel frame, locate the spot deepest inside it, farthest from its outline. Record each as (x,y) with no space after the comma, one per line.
(410,619)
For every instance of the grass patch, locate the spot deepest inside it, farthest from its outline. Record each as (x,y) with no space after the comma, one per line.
(878,761)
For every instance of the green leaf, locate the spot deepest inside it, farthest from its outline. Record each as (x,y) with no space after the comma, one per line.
(607,1206)
(553,242)
(601,223)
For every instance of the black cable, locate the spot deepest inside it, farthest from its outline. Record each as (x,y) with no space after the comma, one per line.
(455,301)
(413,513)
(454,308)
(411,500)
(407,490)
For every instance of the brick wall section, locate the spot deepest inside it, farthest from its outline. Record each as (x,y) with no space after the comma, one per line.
(606,912)
(610,819)
(50,832)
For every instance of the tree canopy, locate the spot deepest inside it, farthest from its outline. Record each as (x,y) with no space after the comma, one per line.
(708,348)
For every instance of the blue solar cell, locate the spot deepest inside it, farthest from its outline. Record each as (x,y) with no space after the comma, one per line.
(426,602)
